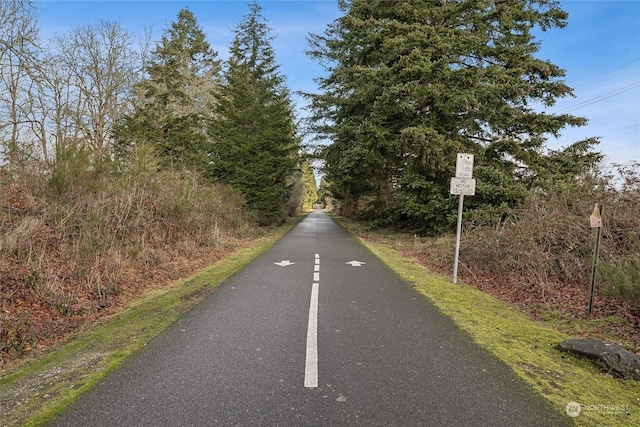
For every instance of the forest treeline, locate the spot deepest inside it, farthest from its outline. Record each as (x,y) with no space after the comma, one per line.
(126,163)
(100,94)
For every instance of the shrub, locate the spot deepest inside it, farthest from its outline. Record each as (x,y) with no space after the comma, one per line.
(73,236)
(548,238)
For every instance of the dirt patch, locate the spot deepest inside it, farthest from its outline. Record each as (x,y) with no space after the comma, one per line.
(31,390)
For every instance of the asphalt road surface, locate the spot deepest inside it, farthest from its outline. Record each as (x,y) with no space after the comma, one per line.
(304,336)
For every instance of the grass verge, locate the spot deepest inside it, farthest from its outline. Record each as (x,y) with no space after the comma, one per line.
(35,390)
(528,347)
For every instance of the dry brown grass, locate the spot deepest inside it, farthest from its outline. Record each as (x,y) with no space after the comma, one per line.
(78,241)
(549,238)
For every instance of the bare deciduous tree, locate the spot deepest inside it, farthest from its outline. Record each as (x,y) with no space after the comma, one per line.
(103,67)
(18,57)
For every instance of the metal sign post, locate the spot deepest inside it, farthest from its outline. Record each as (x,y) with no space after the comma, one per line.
(462,184)
(458,232)
(596,222)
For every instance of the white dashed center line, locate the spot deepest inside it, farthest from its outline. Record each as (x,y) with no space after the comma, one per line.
(311,364)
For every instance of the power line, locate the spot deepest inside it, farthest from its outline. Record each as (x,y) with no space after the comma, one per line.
(607,73)
(629,127)
(600,98)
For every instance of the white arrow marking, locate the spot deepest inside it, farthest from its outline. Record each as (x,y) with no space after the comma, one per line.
(284,263)
(356,263)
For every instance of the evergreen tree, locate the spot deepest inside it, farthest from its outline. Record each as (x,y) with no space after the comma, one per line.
(310,186)
(412,83)
(176,100)
(304,193)
(324,195)
(256,147)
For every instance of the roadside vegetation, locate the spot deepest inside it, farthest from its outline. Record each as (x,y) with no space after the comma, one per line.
(528,346)
(538,256)
(70,257)
(126,164)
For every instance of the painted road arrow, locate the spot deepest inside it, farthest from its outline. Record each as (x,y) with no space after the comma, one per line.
(356,263)
(239,357)
(284,263)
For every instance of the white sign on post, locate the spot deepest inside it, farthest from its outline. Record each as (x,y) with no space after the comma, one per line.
(464,166)
(463,186)
(596,219)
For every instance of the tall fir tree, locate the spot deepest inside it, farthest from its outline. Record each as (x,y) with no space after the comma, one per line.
(310,186)
(255,142)
(176,99)
(412,83)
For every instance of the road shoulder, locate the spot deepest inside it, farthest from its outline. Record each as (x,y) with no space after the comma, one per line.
(37,389)
(528,348)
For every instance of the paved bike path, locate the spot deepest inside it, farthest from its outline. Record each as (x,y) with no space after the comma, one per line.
(385,356)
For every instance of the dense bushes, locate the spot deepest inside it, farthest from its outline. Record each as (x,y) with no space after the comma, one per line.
(74,237)
(548,238)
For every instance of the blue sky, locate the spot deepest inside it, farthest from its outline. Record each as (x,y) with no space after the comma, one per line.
(599,49)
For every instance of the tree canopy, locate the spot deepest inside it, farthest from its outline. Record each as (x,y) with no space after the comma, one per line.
(231,121)
(254,134)
(175,101)
(411,83)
